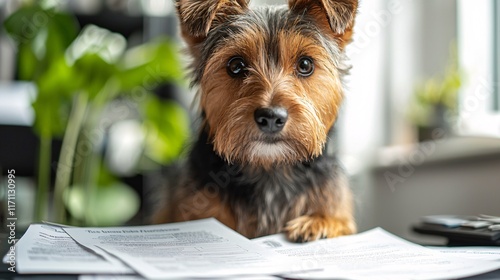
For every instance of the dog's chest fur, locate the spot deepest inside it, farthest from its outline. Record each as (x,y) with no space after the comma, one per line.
(265,199)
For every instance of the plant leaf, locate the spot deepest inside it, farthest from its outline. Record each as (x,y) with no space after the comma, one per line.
(167,127)
(92,72)
(149,65)
(25,23)
(113,204)
(53,102)
(29,63)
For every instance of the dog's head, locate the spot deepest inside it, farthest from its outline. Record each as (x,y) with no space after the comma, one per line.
(269,78)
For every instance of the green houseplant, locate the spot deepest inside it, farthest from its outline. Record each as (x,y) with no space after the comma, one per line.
(435,101)
(78,73)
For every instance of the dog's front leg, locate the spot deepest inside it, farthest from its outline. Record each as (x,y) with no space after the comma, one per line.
(322,213)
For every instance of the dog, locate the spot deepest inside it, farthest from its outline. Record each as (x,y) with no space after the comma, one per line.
(270,86)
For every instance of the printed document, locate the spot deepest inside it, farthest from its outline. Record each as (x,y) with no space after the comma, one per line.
(49,249)
(471,252)
(374,254)
(207,249)
(203,248)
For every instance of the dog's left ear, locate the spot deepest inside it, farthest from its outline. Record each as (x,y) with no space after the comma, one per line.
(198,17)
(336,15)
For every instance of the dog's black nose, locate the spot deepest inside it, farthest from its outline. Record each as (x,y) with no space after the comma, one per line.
(271,120)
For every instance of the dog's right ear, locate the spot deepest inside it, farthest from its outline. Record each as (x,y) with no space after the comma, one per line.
(198,17)
(335,16)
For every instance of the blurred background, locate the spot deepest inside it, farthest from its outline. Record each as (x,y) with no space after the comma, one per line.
(94,109)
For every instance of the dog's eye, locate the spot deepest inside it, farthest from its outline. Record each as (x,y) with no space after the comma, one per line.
(305,66)
(236,67)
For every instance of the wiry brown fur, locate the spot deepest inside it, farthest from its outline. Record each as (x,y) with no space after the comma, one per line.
(312,102)
(253,182)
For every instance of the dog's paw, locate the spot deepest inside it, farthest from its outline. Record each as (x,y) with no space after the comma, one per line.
(314,227)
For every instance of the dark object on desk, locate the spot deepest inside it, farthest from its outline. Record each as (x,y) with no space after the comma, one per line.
(461,236)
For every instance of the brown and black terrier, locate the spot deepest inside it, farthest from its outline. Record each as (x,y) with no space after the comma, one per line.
(270,88)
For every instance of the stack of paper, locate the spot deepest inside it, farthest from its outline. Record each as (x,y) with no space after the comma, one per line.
(208,249)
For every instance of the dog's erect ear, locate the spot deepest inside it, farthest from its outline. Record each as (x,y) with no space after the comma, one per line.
(198,17)
(337,15)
